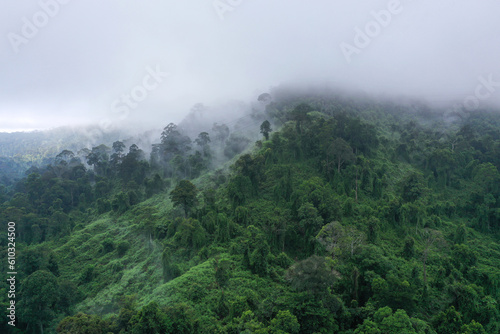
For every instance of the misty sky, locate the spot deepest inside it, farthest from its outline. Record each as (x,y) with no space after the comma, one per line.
(89,61)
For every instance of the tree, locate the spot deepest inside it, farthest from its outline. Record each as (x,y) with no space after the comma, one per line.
(118,147)
(235,145)
(311,275)
(203,139)
(397,323)
(64,156)
(221,133)
(222,230)
(259,258)
(284,322)
(430,237)
(82,323)
(150,319)
(40,295)
(203,142)
(116,157)
(409,248)
(487,176)
(341,152)
(460,235)
(330,237)
(264,98)
(190,234)
(386,322)
(154,186)
(265,129)
(472,328)
(222,272)
(173,144)
(353,239)
(413,187)
(99,158)
(299,115)
(336,238)
(448,322)
(310,222)
(184,195)
(132,166)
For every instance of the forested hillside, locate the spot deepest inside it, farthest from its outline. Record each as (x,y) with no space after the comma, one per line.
(21,150)
(348,215)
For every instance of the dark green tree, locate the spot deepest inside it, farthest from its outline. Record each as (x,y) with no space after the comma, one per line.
(184,195)
(265,129)
(341,153)
(40,295)
(413,187)
(299,115)
(150,319)
(203,141)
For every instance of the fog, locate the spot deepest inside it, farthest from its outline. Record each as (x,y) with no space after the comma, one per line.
(146,64)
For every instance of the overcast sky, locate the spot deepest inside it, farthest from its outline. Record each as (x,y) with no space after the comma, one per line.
(94,61)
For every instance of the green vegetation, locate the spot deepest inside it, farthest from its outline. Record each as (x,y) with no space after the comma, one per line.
(349,216)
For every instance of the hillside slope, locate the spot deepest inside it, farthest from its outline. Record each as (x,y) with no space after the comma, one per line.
(354,217)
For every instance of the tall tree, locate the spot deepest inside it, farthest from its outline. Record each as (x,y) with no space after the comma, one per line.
(221,133)
(40,294)
(341,152)
(184,195)
(265,129)
(299,115)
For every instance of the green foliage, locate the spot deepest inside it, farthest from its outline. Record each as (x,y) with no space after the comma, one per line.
(40,296)
(190,234)
(384,321)
(348,211)
(82,323)
(122,248)
(239,190)
(222,233)
(184,195)
(409,248)
(460,235)
(412,187)
(311,275)
(88,274)
(448,322)
(108,245)
(265,129)
(150,319)
(284,322)
(222,272)
(259,259)
(472,328)
(235,145)
(170,268)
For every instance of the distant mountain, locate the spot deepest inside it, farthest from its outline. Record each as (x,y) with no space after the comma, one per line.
(21,150)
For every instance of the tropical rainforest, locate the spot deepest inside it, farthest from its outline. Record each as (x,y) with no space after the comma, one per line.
(318,212)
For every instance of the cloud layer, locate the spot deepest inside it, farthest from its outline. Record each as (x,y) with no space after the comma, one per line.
(76,62)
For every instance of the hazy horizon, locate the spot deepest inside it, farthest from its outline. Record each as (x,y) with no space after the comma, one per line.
(143,64)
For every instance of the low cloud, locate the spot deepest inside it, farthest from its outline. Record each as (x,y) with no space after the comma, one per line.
(69,62)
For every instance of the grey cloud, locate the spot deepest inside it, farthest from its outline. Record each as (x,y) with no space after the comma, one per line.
(91,52)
